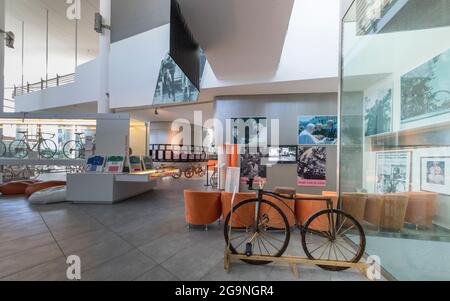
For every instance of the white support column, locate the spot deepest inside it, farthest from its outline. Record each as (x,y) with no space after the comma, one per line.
(2,56)
(104,49)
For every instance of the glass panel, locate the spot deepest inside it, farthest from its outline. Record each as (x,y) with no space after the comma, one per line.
(395,132)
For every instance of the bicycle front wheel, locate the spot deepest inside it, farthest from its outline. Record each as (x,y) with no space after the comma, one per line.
(73,150)
(2,149)
(269,235)
(189,173)
(333,235)
(19,149)
(47,149)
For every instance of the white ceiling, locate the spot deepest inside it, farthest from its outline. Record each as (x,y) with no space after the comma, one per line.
(242,39)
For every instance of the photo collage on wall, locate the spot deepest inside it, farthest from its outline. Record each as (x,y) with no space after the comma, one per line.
(393,172)
(315,133)
(435,174)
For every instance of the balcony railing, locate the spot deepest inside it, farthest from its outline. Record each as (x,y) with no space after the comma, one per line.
(44,84)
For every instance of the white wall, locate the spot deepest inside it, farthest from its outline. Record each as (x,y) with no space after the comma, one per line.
(134,67)
(85,89)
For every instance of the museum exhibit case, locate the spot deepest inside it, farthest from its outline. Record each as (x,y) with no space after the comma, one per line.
(395,132)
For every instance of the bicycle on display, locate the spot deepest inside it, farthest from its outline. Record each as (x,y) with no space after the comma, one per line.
(3,148)
(260,228)
(75,149)
(45,147)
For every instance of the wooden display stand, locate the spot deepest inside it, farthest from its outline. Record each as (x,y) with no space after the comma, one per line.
(293,262)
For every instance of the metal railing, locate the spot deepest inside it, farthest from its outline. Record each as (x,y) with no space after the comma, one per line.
(44,84)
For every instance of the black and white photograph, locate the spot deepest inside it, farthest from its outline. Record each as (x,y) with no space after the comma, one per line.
(435,174)
(283,154)
(249,131)
(425,90)
(312,166)
(173,85)
(393,172)
(253,166)
(378,110)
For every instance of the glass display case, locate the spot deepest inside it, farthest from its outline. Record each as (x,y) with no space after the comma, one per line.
(395,132)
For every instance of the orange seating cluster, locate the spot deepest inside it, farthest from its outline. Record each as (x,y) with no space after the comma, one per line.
(387,211)
(204,208)
(28,187)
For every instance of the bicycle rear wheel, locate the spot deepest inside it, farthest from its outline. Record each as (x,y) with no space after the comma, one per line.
(73,150)
(333,235)
(269,238)
(47,149)
(189,172)
(2,149)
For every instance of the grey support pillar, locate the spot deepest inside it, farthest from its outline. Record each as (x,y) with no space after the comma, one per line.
(104,49)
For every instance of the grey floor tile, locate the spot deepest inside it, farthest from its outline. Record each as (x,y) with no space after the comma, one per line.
(26,243)
(21,232)
(100,253)
(124,268)
(28,259)
(158,273)
(193,263)
(54,270)
(85,240)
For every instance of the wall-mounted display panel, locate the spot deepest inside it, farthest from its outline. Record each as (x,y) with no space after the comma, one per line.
(315,130)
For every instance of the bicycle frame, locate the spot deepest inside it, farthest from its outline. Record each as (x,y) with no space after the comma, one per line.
(260,196)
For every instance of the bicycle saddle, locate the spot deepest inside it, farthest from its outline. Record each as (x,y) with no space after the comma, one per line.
(291,192)
(79,134)
(22,132)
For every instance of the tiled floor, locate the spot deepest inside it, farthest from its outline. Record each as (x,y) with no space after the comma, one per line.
(142,239)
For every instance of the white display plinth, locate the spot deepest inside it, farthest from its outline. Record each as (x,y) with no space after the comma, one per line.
(104,188)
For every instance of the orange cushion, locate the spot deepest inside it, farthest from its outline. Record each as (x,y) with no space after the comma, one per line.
(14,188)
(31,189)
(202,208)
(246,213)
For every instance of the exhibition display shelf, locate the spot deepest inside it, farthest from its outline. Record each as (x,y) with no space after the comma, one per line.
(146,176)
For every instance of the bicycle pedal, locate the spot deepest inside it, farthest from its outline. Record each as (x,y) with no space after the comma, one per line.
(249,250)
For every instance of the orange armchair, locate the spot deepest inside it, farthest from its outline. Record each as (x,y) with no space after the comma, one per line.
(355,204)
(305,209)
(202,208)
(14,188)
(247,213)
(422,208)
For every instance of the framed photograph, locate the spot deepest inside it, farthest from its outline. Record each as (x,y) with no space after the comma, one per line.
(160,156)
(176,155)
(317,130)
(191,157)
(184,156)
(312,166)
(249,131)
(378,106)
(283,154)
(168,155)
(425,90)
(393,172)
(435,174)
(253,166)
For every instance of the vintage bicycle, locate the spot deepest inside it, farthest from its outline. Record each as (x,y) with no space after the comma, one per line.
(260,228)
(75,149)
(45,147)
(3,148)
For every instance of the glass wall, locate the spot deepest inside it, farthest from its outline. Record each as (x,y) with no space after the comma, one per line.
(395,132)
